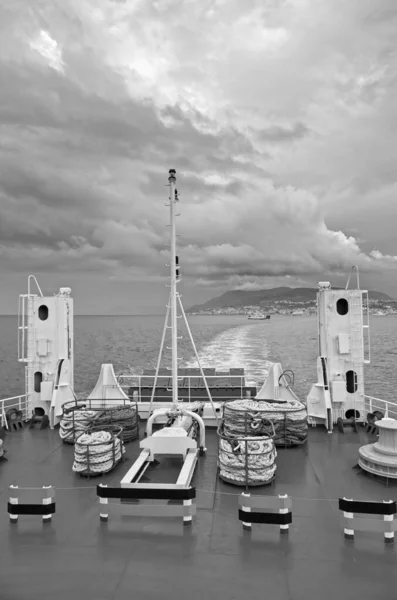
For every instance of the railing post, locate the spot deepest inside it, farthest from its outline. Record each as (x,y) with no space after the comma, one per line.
(104,514)
(283,511)
(3,416)
(348,533)
(46,500)
(247,509)
(187,520)
(14,500)
(389,535)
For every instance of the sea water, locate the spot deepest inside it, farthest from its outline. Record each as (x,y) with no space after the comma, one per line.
(131,343)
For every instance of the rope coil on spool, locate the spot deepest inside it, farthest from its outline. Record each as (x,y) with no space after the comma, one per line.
(246,461)
(98,450)
(80,416)
(251,417)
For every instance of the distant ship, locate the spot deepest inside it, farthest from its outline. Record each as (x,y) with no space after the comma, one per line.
(259,317)
(298,313)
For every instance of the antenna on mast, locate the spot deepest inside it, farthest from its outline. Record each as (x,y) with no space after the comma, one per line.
(174,282)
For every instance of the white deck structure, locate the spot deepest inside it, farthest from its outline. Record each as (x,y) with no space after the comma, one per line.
(45,344)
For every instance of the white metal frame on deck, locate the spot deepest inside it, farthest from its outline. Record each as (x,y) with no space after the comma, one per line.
(176,444)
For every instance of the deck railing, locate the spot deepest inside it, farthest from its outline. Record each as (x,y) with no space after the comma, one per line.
(387,408)
(371,403)
(213,382)
(18,402)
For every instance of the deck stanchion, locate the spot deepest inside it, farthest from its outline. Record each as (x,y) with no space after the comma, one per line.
(385,523)
(389,535)
(187,520)
(283,511)
(104,515)
(348,533)
(47,500)
(247,509)
(14,500)
(262,510)
(41,502)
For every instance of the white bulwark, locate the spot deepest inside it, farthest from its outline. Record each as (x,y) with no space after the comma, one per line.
(343,332)
(45,343)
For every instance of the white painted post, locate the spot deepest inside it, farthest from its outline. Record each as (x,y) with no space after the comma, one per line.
(348,533)
(187,520)
(14,500)
(389,535)
(47,518)
(247,509)
(104,514)
(283,528)
(4,422)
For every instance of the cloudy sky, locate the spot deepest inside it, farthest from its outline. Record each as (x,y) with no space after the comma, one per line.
(279,116)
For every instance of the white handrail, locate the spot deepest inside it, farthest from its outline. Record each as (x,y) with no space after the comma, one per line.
(37,284)
(198,376)
(387,405)
(6,403)
(12,398)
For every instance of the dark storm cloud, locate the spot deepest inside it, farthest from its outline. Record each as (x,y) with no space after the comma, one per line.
(100,99)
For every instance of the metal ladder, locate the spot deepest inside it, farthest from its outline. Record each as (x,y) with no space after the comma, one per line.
(26,339)
(357,341)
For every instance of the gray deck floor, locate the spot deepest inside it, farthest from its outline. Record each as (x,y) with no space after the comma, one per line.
(78,557)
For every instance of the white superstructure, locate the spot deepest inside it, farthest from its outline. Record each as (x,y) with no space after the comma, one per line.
(45,344)
(343,330)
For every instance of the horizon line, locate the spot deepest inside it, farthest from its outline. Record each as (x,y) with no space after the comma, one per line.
(102,315)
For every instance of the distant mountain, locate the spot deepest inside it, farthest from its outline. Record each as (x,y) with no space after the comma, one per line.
(240,298)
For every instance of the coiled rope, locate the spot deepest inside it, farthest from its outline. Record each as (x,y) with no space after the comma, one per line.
(247,460)
(97,452)
(78,419)
(251,461)
(251,417)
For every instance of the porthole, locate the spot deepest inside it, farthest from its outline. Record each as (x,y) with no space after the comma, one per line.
(43,312)
(342,306)
(38,378)
(351,382)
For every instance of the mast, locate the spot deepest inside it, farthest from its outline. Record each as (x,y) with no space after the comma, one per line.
(174,282)
(173,302)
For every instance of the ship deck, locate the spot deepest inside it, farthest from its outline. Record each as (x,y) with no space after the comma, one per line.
(78,557)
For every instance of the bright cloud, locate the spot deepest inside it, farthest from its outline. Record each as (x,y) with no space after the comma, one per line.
(279,117)
(48,48)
